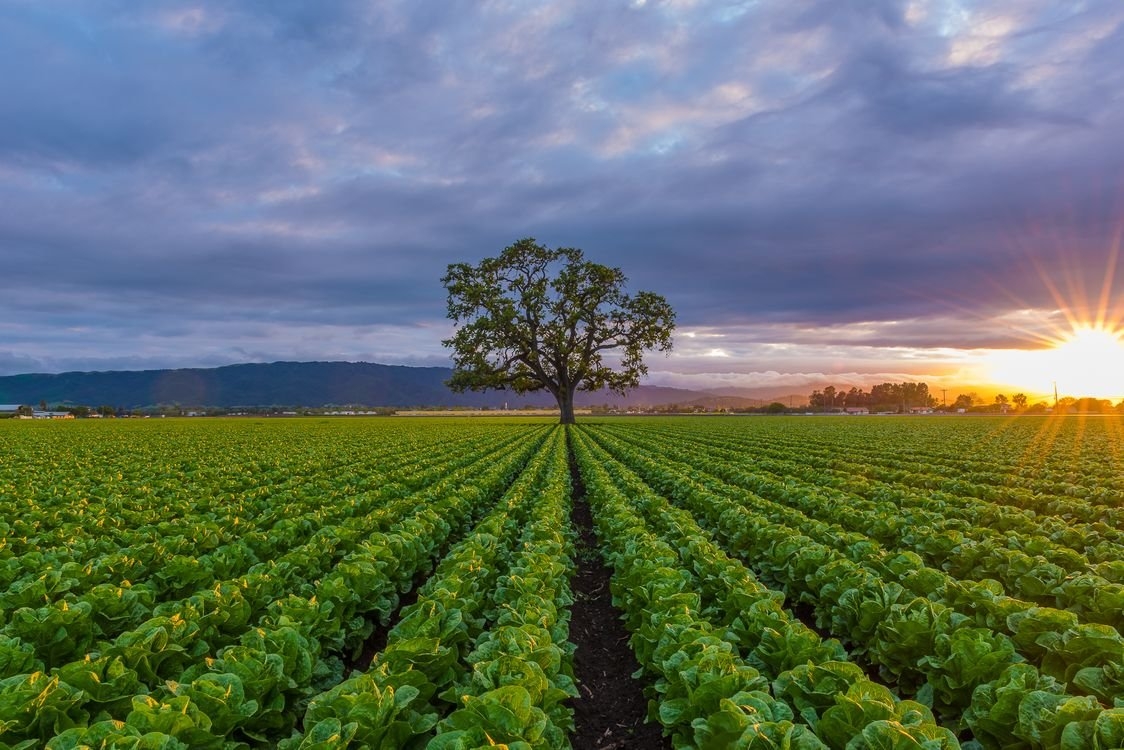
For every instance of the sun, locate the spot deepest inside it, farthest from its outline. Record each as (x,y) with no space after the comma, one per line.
(1088,361)
(1091,362)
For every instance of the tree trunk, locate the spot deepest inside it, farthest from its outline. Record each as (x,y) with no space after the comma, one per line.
(566,406)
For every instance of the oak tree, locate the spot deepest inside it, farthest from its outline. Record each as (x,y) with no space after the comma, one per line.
(536,319)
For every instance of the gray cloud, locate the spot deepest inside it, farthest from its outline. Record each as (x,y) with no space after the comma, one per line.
(251,178)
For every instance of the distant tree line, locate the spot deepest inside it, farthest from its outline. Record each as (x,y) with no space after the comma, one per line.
(78,410)
(901,397)
(1019,404)
(82,411)
(895,397)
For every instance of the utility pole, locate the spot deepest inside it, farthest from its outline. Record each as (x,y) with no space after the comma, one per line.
(944,391)
(1055,394)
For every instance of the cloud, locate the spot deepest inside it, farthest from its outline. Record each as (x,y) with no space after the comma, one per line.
(256,179)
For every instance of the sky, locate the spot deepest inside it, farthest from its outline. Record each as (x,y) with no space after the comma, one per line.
(826,191)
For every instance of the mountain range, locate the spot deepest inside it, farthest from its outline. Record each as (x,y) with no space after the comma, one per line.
(310,384)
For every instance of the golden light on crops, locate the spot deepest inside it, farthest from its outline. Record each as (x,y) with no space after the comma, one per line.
(1087,361)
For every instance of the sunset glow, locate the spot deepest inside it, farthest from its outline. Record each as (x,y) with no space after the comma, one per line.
(1089,361)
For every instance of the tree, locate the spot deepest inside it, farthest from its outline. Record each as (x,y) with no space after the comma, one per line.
(899,396)
(540,319)
(1019,400)
(1091,405)
(886,397)
(829,397)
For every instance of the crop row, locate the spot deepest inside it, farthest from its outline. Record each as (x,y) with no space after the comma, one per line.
(921,644)
(731,667)
(951,495)
(269,612)
(482,657)
(266,641)
(96,510)
(1053,638)
(54,633)
(1058,458)
(992,496)
(126,586)
(1054,577)
(1090,493)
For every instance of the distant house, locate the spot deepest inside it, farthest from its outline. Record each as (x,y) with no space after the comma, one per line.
(920,410)
(857,410)
(51,415)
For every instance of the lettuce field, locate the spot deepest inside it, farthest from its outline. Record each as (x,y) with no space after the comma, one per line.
(729,582)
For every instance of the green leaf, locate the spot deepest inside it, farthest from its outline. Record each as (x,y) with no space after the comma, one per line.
(387,710)
(177,717)
(505,715)
(891,735)
(222,698)
(17,657)
(1043,716)
(864,703)
(1106,683)
(106,680)
(780,736)
(326,734)
(737,717)
(113,735)
(1108,730)
(994,712)
(812,688)
(38,706)
(962,660)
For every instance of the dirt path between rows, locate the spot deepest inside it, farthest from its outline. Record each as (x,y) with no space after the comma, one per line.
(610,712)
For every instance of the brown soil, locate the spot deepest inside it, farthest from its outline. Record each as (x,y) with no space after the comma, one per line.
(611,710)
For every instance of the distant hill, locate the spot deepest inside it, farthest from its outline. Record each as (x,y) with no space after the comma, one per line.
(291,384)
(767,394)
(708,401)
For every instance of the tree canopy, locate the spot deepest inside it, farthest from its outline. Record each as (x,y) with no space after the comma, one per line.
(884,396)
(540,319)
